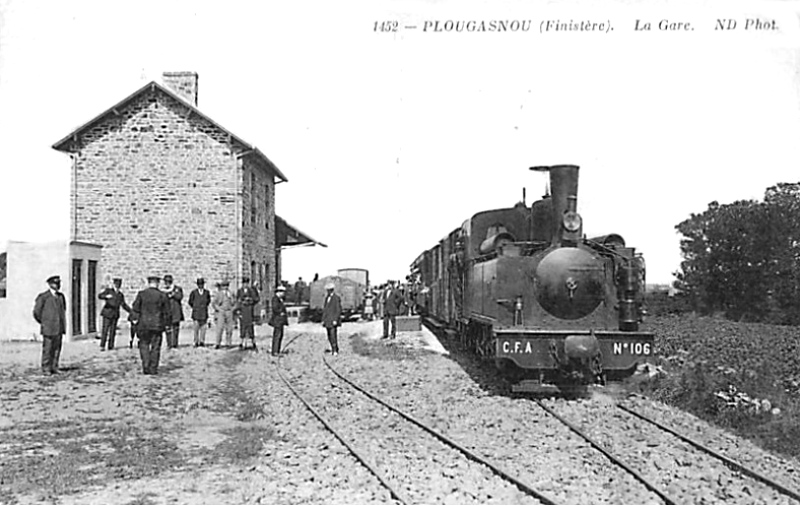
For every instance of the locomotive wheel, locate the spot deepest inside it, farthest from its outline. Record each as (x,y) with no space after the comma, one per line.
(471,337)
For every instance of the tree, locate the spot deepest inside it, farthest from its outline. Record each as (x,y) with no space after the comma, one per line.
(744,258)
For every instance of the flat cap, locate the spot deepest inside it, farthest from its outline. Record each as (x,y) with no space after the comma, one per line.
(154,278)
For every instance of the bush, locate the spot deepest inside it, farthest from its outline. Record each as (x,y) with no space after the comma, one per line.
(741,376)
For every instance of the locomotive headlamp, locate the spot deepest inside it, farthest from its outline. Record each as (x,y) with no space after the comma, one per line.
(572,221)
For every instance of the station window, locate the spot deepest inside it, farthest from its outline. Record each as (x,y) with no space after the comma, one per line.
(3,275)
(266,206)
(253,198)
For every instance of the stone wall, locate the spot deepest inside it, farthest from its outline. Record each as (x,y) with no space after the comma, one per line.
(258,226)
(157,186)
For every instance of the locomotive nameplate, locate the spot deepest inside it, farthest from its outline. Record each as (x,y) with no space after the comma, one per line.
(515,346)
(632,348)
(620,351)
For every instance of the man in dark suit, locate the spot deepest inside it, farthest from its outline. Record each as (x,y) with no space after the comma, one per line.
(152,313)
(199,300)
(332,316)
(299,290)
(278,319)
(175,295)
(49,311)
(246,300)
(115,300)
(391,308)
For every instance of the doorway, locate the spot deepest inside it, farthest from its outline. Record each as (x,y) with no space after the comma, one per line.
(76,297)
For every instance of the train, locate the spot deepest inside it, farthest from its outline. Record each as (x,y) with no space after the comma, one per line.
(525,288)
(356,274)
(350,284)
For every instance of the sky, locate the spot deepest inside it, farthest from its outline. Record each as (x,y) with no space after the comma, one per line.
(392,139)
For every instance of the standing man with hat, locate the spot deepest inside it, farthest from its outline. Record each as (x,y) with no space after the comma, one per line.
(199,301)
(49,311)
(246,300)
(223,305)
(392,306)
(175,295)
(332,316)
(278,319)
(115,300)
(152,314)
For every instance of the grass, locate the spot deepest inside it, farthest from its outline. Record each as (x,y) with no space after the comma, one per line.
(744,377)
(50,459)
(42,461)
(382,349)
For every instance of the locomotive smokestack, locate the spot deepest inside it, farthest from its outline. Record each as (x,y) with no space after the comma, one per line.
(564,192)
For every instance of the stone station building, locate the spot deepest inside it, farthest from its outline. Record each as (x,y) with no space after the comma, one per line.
(164,189)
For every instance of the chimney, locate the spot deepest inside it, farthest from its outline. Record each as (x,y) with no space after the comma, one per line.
(183,84)
(564,193)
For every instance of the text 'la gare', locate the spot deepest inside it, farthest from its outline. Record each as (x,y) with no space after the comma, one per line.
(665,25)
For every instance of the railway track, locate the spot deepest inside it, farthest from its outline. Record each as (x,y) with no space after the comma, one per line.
(646,447)
(730,463)
(705,461)
(414,462)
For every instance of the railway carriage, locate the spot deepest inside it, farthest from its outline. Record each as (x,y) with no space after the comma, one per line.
(524,287)
(350,284)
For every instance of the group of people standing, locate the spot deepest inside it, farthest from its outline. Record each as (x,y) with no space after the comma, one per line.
(387,304)
(155,311)
(331,317)
(158,310)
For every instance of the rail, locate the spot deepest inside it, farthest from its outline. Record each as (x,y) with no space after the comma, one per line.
(446,440)
(732,464)
(608,454)
(392,492)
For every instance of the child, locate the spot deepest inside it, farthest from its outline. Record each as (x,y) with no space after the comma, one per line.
(133,329)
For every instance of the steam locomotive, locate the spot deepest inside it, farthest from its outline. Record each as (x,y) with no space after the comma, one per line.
(524,287)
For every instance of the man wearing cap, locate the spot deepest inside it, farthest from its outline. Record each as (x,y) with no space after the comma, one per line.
(175,294)
(115,300)
(223,305)
(152,313)
(392,306)
(199,300)
(49,311)
(278,319)
(246,300)
(332,316)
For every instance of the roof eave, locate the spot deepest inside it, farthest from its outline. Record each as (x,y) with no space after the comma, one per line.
(65,144)
(282,178)
(311,241)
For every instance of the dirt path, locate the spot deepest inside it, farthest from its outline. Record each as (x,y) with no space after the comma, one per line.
(214,427)
(102,432)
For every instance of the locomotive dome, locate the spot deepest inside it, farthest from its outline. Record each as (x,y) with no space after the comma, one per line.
(570,283)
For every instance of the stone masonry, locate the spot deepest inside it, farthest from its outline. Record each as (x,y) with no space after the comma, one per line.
(165,190)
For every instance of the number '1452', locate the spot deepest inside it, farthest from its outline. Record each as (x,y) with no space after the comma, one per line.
(385,26)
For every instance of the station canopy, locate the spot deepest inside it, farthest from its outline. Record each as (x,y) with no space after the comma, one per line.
(288,236)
